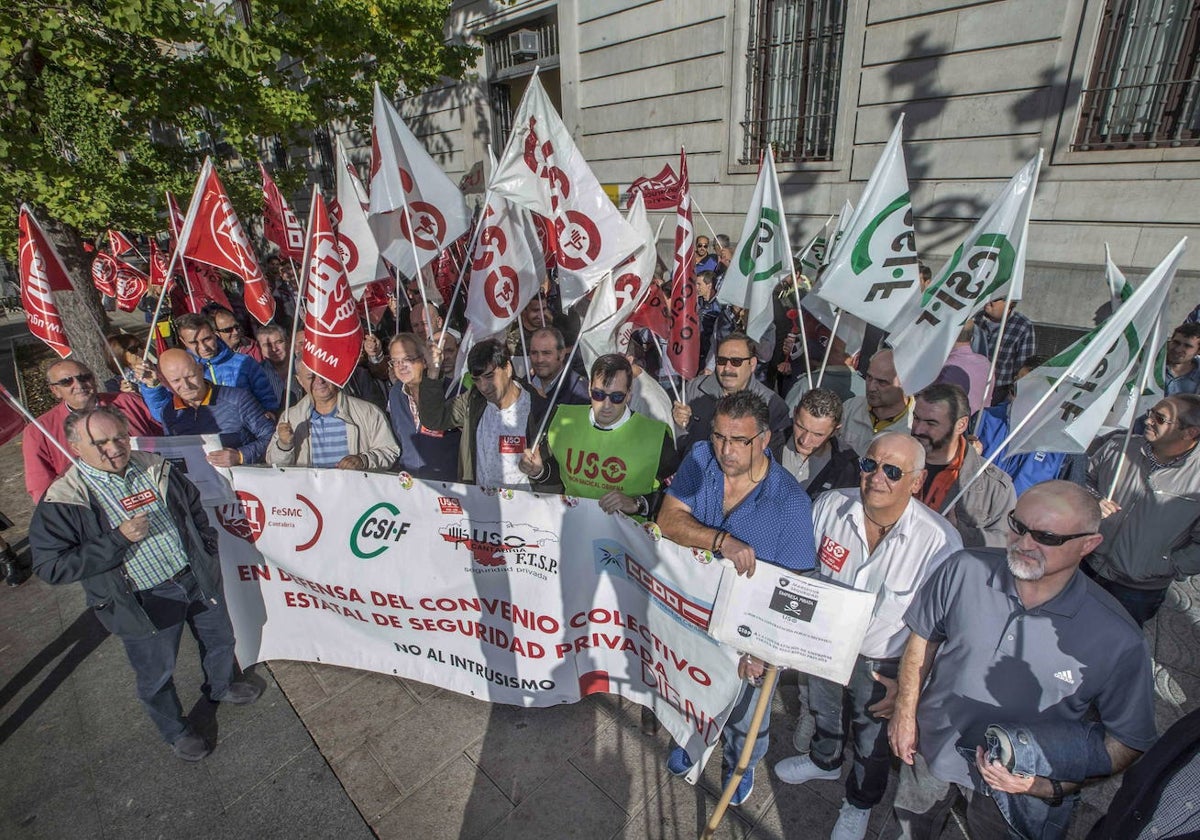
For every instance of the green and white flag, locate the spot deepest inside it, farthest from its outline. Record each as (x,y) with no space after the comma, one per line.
(989,262)
(812,256)
(872,271)
(762,256)
(1063,404)
(1129,404)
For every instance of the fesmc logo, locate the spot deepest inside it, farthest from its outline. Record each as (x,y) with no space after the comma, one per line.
(247,518)
(494,544)
(377,530)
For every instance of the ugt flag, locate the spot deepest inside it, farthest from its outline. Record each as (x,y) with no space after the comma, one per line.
(763,254)
(989,264)
(542,170)
(872,271)
(1064,402)
(333,333)
(41,273)
(683,345)
(131,285)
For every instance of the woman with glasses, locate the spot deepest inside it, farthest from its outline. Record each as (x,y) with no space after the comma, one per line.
(424,452)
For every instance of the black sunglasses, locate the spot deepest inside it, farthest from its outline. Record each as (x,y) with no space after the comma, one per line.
(614,397)
(891,472)
(1042,537)
(228,330)
(735,361)
(67,381)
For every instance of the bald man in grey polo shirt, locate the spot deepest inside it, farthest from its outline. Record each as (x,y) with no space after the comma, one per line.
(1017,637)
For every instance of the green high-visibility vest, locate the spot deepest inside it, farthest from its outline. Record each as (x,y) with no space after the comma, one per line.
(592,461)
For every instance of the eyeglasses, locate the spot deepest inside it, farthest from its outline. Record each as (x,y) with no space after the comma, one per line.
(68,381)
(230,329)
(867,466)
(719,440)
(732,361)
(406,360)
(1158,419)
(1042,537)
(614,397)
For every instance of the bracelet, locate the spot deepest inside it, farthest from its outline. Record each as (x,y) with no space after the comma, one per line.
(721,544)
(1057,799)
(643,506)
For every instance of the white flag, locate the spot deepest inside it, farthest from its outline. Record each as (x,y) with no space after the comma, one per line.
(989,262)
(812,256)
(356,241)
(1094,371)
(1129,404)
(620,292)
(415,209)
(762,255)
(506,268)
(872,270)
(542,170)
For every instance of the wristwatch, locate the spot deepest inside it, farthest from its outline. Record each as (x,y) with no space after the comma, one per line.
(1057,798)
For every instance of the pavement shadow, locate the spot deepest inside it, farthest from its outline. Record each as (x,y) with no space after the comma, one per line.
(73,645)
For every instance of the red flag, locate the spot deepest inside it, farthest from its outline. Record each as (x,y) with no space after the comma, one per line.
(158,266)
(375,297)
(661,192)
(104,274)
(683,347)
(42,273)
(174,219)
(131,284)
(118,244)
(204,280)
(280,224)
(654,313)
(212,234)
(333,333)
(547,238)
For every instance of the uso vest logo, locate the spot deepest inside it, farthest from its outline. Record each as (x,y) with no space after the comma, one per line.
(580,464)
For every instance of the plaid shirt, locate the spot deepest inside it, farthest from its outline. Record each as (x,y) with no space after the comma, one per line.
(1018,344)
(328,436)
(160,555)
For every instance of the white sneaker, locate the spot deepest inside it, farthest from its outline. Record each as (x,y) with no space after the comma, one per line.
(851,823)
(800,769)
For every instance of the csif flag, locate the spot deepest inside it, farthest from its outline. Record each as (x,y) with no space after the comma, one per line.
(280,224)
(683,345)
(1064,402)
(213,235)
(872,269)
(543,171)
(989,264)
(360,252)
(41,272)
(762,255)
(333,333)
(415,210)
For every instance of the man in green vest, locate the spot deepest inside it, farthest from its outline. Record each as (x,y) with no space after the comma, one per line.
(604,450)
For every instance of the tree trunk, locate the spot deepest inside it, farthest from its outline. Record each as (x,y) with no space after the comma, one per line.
(83,318)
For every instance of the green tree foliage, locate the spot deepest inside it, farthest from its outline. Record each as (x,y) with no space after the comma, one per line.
(104,104)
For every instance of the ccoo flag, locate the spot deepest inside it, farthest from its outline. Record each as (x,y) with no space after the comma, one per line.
(987,265)
(280,224)
(41,273)
(333,333)
(1068,399)
(762,254)
(543,171)
(872,271)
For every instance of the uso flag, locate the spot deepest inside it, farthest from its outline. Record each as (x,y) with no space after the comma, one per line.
(42,273)
(333,334)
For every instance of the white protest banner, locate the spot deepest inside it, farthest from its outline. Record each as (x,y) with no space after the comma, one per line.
(186,452)
(475,591)
(793,621)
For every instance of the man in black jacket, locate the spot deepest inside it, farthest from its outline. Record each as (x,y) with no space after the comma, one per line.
(130,527)
(810,450)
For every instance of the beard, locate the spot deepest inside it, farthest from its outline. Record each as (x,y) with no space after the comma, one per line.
(1024,567)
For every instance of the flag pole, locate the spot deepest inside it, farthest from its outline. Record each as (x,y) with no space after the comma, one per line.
(1151,355)
(711,232)
(412,241)
(991,380)
(28,415)
(837,320)
(181,239)
(787,244)
(462,271)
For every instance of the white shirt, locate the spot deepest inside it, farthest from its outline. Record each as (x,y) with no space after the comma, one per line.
(918,543)
(499,444)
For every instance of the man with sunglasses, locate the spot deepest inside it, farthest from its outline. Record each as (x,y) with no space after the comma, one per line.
(879,539)
(74,386)
(1152,520)
(1018,638)
(736,362)
(604,450)
(732,498)
(231,332)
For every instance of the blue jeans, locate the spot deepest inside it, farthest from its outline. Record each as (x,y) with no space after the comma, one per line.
(153,657)
(1141,604)
(738,727)
(923,803)
(840,711)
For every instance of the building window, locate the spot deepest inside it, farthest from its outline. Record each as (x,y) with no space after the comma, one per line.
(794,68)
(1144,86)
(511,56)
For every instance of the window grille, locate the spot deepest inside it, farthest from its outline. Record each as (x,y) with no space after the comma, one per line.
(1145,81)
(794,68)
(503,64)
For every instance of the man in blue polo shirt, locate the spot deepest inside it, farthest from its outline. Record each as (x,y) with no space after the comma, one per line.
(732,497)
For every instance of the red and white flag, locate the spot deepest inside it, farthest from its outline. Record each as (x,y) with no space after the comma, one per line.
(416,211)
(174,219)
(131,285)
(104,273)
(118,243)
(42,273)
(505,269)
(158,265)
(212,234)
(543,171)
(333,333)
(360,251)
(280,224)
(660,192)
(683,347)
(203,282)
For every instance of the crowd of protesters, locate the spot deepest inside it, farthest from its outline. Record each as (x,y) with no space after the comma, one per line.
(1004,660)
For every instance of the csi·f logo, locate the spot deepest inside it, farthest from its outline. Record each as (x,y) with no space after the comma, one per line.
(377,530)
